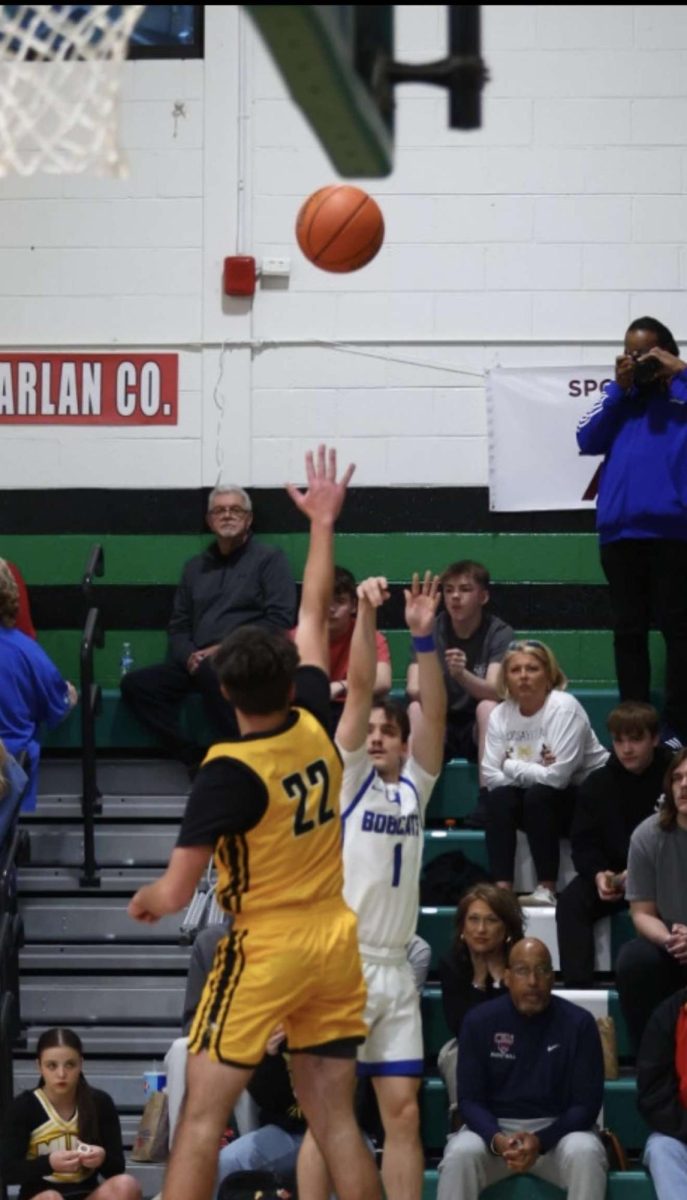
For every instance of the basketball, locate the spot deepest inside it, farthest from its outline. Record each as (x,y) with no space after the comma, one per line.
(340,228)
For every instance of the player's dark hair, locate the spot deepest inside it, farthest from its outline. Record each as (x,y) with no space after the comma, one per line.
(344,583)
(88,1116)
(667,813)
(633,718)
(467,566)
(664,337)
(395,712)
(257,669)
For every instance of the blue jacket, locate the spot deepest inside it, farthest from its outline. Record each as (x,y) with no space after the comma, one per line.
(524,1068)
(32,693)
(643,484)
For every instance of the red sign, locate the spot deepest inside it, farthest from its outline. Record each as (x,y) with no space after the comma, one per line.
(89,389)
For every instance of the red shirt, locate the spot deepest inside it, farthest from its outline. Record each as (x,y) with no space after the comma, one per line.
(340,651)
(24,622)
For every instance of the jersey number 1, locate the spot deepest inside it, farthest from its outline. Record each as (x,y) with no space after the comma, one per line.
(300,789)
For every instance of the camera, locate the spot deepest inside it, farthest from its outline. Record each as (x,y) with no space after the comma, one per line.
(647,371)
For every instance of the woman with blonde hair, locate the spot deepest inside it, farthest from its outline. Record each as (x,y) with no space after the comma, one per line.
(32,690)
(540,746)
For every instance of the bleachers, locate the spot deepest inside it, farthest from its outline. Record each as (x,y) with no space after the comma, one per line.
(92,933)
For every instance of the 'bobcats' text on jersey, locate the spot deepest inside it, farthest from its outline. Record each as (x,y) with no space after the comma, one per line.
(383,842)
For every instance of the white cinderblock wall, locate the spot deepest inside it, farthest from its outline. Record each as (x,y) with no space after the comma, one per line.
(533,241)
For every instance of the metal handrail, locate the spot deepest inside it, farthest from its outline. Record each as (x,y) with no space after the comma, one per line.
(7,1035)
(95,565)
(90,707)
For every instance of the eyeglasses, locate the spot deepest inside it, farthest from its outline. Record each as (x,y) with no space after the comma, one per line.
(539,972)
(232,510)
(523,644)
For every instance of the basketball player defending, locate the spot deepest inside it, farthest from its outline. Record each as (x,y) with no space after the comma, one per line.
(383,801)
(267,802)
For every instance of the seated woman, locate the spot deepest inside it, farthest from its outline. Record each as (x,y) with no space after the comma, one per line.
(488,922)
(539,747)
(32,691)
(64,1137)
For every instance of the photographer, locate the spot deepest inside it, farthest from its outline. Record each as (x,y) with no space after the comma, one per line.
(640,425)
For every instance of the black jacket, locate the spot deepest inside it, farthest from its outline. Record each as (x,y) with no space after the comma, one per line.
(26,1114)
(658,1096)
(251,586)
(611,804)
(458,995)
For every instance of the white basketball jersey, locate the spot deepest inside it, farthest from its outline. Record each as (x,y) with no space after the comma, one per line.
(382,849)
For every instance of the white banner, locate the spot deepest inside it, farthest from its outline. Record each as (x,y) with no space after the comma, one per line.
(532,416)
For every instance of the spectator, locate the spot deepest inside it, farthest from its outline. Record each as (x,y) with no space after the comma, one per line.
(24,622)
(236,581)
(32,691)
(530,1082)
(64,1137)
(488,923)
(470,643)
(612,802)
(540,747)
(640,425)
(654,964)
(342,612)
(662,1095)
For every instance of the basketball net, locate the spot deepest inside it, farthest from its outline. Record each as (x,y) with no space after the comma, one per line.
(60,72)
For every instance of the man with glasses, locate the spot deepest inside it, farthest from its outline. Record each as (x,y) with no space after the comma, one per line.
(530,1086)
(236,581)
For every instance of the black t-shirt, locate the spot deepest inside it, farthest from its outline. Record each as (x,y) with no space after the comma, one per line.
(228,797)
(486,645)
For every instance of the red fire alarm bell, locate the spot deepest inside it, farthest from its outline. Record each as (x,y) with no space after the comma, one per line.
(239,275)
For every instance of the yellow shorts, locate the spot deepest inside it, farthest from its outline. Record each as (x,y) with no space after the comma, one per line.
(298,968)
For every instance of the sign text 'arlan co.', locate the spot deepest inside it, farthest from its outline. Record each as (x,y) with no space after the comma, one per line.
(89,389)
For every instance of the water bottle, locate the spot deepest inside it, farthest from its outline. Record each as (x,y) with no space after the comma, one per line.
(126,661)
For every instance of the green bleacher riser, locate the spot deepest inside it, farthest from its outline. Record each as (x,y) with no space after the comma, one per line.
(586,655)
(436,926)
(454,794)
(620,1113)
(471,841)
(622,1185)
(436,1032)
(150,558)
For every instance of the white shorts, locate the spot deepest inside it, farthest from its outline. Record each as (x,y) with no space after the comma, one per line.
(394,1041)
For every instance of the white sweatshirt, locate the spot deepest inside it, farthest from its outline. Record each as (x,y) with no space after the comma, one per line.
(561,726)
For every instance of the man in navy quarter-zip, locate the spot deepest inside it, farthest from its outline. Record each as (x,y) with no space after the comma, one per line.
(530,1086)
(236,581)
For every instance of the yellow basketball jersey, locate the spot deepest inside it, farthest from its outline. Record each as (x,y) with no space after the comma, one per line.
(55,1133)
(293,855)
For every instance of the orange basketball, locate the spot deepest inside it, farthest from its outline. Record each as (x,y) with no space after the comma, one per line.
(340,228)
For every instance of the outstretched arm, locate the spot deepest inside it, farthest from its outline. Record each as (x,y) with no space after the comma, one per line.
(428,736)
(321,504)
(362,666)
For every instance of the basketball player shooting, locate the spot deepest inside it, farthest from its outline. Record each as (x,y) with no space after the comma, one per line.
(385,792)
(267,803)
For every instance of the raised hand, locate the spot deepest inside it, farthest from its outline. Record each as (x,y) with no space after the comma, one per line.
(373,591)
(625,371)
(422,600)
(670,363)
(325,495)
